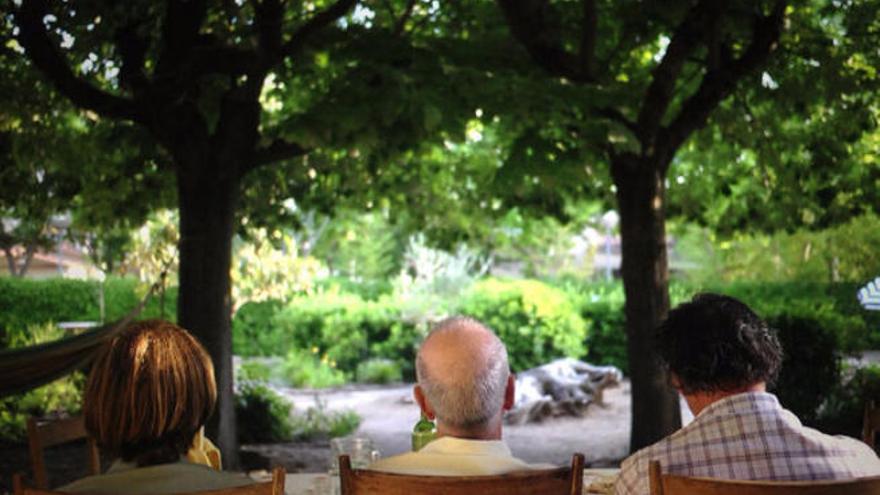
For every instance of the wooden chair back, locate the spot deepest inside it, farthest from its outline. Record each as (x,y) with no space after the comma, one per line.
(871,424)
(273,487)
(43,434)
(671,484)
(559,481)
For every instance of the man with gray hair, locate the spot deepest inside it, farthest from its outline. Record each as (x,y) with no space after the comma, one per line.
(464,382)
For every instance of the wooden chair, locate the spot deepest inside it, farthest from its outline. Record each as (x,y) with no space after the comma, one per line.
(43,434)
(871,424)
(671,484)
(273,487)
(560,481)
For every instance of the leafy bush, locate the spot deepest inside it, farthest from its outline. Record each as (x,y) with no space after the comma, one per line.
(63,396)
(536,322)
(35,302)
(347,329)
(842,413)
(253,329)
(379,370)
(254,371)
(262,415)
(304,369)
(810,367)
(318,422)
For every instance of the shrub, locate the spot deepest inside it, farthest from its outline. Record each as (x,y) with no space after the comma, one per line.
(810,368)
(253,329)
(305,369)
(536,322)
(347,329)
(379,370)
(319,423)
(62,396)
(262,415)
(254,371)
(842,413)
(35,302)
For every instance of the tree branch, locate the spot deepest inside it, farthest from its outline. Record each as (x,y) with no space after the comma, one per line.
(617,116)
(400,25)
(589,26)
(718,84)
(46,57)
(315,24)
(687,36)
(132,49)
(268,15)
(219,59)
(527,20)
(280,149)
(180,33)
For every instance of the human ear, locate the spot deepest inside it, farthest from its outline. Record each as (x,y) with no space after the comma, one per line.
(422,401)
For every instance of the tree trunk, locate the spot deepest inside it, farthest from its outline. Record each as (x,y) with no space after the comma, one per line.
(641,201)
(207,194)
(28,259)
(10,261)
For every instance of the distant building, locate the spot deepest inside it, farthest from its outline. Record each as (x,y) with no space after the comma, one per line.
(65,260)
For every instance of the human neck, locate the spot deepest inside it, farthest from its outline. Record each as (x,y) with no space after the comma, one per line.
(489,432)
(698,401)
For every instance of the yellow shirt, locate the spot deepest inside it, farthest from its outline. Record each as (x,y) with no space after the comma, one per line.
(450,456)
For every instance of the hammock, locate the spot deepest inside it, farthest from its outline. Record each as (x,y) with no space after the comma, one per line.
(29,367)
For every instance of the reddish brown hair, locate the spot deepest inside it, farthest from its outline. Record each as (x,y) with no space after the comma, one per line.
(150,390)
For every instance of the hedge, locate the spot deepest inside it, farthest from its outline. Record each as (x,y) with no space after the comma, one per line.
(25,302)
(537,322)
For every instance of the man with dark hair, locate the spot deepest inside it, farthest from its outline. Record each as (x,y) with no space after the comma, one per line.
(720,356)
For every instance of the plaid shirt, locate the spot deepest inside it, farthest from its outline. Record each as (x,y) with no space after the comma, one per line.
(749,437)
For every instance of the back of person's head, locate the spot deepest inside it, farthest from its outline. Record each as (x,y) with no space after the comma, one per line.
(462,369)
(715,343)
(150,390)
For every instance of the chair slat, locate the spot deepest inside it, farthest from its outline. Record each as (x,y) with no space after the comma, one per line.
(671,484)
(273,487)
(43,434)
(561,481)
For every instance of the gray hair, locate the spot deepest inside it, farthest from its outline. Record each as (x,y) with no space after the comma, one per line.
(467,402)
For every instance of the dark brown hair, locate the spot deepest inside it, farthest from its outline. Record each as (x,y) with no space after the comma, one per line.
(150,390)
(716,343)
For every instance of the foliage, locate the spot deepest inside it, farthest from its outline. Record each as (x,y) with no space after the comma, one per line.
(254,371)
(345,328)
(368,290)
(841,253)
(30,302)
(535,321)
(63,396)
(262,415)
(545,245)
(307,369)
(810,368)
(360,246)
(253,329)
(268,266)
(842,412)
(378,370)
(153,248)
(319,423)
(431,280)
(600,304)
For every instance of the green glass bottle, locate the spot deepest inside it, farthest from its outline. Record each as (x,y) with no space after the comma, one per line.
(423,433)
